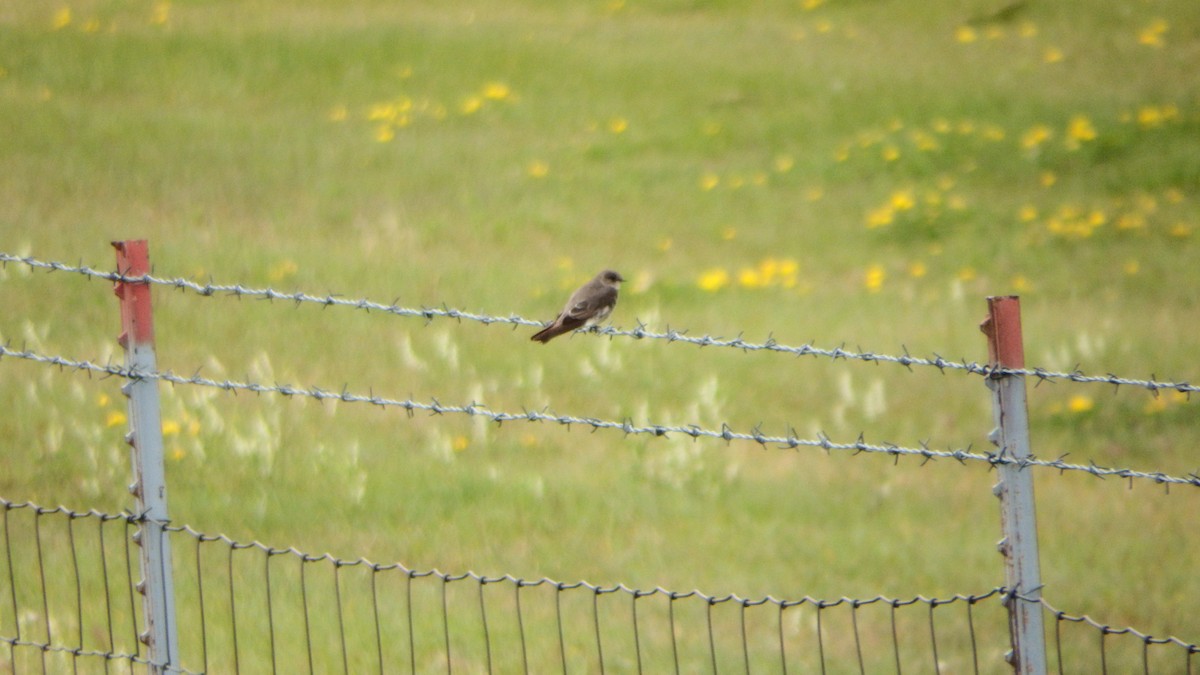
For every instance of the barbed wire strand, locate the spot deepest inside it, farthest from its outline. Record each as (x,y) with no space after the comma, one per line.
(726,433)
(639,332)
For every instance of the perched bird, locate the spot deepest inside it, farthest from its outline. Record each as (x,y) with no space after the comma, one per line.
(589,305)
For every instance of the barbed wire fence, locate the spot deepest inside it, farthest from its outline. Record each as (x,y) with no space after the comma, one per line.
(71,602)
(640,332)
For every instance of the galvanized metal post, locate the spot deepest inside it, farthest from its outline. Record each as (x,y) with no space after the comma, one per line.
(149,478)
(1015,489)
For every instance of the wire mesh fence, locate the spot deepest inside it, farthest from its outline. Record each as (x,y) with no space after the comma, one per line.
(69,587)
(69,595)
(69,600)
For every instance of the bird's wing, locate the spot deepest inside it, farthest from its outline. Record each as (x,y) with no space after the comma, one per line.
(583,309)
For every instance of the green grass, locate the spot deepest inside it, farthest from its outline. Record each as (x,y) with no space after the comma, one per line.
(666,140)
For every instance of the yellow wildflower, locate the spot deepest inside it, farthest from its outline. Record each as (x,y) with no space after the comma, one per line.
(537,169)
(923,140)
(1028,213)
(873,278)
(965,34)
(1080,403)
(713,280)
(1052,55)
(115,418)
(161,13)
(282,270)
(1079,130)
(917,270)
(471,105)
(1152,35)
(618,125)
(768,268)
(902,200)
(496,91)
(62,19)
(171,428)
(880,217)
(1035,136)
(1149,117)
(750,278)
(784,163)
(709,181)
(1155,405)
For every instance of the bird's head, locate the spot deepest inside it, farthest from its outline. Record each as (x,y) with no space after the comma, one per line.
(611,277)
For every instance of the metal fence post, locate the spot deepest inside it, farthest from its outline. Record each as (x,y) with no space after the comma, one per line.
(145,438)
(1015,488)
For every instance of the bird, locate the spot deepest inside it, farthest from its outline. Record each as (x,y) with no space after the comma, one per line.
(589,305)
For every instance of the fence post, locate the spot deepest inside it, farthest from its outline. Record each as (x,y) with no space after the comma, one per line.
(1015,488)
(149,486)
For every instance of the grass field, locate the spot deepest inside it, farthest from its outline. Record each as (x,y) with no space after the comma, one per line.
(857,173)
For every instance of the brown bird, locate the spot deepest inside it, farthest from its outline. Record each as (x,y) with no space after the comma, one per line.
(589,305)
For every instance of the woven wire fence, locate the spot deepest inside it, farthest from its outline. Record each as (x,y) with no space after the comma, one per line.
(70,605)
(69,602)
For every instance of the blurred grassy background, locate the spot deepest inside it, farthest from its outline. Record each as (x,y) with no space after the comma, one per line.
(840,172)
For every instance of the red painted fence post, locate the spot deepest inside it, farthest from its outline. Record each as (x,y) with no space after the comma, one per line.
(1015,489)
(149,486)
